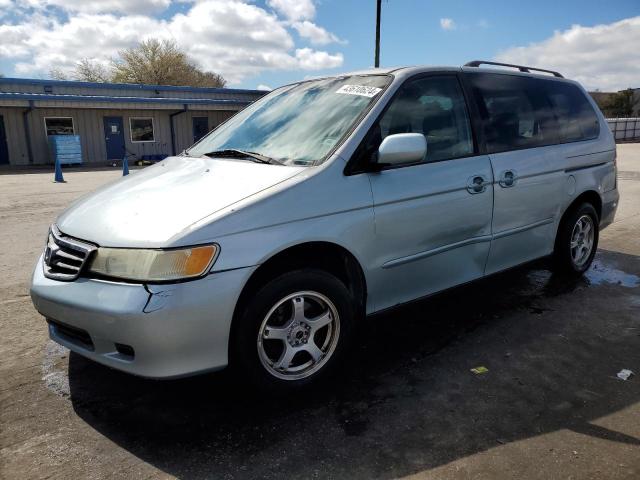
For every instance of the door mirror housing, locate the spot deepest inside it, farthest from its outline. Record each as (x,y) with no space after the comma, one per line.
(402,148)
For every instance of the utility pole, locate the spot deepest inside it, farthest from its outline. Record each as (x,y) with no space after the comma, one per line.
(378,9)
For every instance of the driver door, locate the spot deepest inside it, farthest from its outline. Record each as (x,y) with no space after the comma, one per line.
(432,218)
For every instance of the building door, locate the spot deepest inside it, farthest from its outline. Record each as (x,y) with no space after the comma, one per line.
(4,151)
(114,138)
(200,128)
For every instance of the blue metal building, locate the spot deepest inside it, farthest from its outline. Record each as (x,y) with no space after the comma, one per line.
(111,119)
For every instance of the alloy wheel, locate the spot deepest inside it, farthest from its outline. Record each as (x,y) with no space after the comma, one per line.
(582,238)
(298,335)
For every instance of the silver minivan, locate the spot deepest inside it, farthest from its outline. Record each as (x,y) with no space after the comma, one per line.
(263,244)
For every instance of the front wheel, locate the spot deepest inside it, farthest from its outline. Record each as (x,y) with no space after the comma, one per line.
(577,240)
(293,331)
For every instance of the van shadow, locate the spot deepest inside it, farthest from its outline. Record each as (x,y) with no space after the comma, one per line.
(406,400)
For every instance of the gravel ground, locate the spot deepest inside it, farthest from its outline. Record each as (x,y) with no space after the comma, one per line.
(550,405)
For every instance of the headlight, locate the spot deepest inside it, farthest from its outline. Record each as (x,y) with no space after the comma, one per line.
(154,265)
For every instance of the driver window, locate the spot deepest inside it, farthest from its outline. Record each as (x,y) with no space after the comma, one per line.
(435,107)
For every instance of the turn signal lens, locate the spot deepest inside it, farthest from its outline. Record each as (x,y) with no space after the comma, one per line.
(154,265)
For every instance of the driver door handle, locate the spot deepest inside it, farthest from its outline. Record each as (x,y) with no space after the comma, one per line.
(477,184)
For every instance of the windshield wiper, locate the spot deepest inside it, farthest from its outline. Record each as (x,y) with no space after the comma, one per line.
(232,152)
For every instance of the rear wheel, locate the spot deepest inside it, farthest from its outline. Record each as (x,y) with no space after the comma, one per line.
(577,239)
(293,331)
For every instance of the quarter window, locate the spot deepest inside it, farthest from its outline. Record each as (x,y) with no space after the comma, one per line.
(58,126)
(575,116)
(433,106)
(141,129)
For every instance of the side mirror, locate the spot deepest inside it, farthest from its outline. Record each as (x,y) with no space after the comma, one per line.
(402,148)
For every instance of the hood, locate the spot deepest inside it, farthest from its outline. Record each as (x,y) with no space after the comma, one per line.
(152,206)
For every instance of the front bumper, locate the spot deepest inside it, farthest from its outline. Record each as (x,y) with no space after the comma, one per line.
(173,330)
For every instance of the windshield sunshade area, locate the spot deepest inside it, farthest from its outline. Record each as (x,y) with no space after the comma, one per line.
(298,124)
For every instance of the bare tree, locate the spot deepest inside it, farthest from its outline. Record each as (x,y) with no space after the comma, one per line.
(155,62)
(58,74)
(85,71)
(161,62)
(200,78)
(91,71)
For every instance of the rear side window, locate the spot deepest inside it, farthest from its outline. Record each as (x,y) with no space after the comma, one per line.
(575,116)
(515,111)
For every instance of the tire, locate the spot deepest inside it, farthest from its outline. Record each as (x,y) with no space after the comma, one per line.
(274,334)
(574,253)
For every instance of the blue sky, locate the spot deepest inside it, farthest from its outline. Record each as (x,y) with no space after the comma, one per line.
(411,31)
(271,42)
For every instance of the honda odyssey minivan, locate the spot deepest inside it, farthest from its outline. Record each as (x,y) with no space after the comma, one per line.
(325,201)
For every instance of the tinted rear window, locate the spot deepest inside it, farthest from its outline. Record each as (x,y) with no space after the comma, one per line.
(524,112)
(515,111)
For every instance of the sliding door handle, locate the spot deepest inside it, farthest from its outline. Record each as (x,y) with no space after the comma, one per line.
(508,178)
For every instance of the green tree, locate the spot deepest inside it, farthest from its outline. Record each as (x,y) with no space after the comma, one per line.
(620,104)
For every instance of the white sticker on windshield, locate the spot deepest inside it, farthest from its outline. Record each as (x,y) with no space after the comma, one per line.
(362,90)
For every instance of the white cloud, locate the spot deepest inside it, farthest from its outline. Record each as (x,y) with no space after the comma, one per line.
(316,35)
(447,24)
(294,10)
(604,56)
(264,87)
(44,44)
(233,37)
(103,6)
(313,60)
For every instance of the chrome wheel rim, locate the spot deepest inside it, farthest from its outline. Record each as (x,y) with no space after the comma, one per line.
(582,238)
(298,335)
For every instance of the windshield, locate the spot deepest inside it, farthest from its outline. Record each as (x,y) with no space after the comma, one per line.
(297,124)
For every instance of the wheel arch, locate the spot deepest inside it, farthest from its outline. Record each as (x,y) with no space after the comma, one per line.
(588,196)
(323,255)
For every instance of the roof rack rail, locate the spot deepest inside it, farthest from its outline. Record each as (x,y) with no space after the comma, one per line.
(522,68)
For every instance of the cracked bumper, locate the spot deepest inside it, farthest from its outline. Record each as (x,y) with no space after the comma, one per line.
(174,330)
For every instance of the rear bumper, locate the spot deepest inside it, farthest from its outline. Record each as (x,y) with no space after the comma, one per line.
(610,201)
(173,330)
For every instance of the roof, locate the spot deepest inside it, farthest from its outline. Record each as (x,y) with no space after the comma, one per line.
(408,70)
(116,99)
(124,86)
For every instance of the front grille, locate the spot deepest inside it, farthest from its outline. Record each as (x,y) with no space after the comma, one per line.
(74,335)
(64,256)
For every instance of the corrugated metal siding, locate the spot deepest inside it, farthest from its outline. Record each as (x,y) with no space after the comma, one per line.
(123,91)
(90,126)
(184,125)
(88,123)
(88,116)
(54,101)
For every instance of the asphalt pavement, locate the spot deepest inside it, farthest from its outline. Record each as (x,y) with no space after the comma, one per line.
(406,403)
